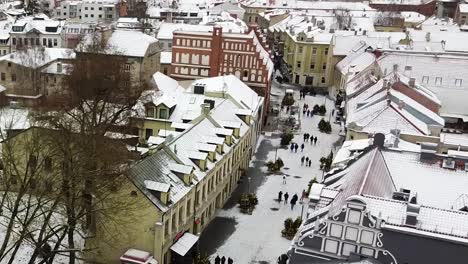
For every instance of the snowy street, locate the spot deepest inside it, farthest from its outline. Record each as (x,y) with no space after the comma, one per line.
(257,238)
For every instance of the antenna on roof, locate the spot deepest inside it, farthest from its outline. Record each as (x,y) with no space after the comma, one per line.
(224,90)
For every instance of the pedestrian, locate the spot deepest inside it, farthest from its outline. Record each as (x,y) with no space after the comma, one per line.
(280,196)
(307,159)
(217,260)
(333,112)
(230,261)
(302,160)
(310,163)
(302,147)
(286,196)
(305,136)
(315,141)
(293,201)
(292,147)
(284,179)
(223,260)
(304,195)
(287,109)
(308,112)
(296,146)
(304,112)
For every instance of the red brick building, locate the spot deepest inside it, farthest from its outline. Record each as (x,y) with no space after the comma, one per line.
(427,9)
(209,54)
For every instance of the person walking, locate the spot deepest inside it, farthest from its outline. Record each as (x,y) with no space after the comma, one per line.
(280,196)
(286,196)
(308,112)
(302,147)
(284,179)
(296,146)
(287,109)
(333,112)
(307,159)
(217,260)
(304,195)
(315,141)
(310,163)
(292,147)
(223,260)
(230,261)
(293,201)
(302,161)
(305,136)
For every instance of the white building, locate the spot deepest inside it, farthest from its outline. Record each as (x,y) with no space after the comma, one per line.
(89,10)
(33,32)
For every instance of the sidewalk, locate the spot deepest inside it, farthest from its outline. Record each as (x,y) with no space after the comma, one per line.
(257,238)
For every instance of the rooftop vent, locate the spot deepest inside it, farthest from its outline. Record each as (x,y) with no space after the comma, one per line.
(402,195)
(448,163)
(199,88)
(412,212)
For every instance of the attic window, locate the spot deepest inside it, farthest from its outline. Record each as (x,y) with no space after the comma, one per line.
(199,89)
(458,82)
(438,81)
(408,68)
(150,111)
(425,79)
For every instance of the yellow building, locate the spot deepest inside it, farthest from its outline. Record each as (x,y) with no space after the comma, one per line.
(190,173)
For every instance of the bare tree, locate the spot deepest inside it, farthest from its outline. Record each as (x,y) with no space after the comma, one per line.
(343,18)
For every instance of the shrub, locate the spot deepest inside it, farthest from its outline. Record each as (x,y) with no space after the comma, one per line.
(324,126)
(310,184)
(275,166)
(247,202)
(286,138)
(325,162)
(199,259)
(322,110)
(316,109)
(288,100)
(290,227)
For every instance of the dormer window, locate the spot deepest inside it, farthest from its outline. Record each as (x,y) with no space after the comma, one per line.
(163,113)
(150,111)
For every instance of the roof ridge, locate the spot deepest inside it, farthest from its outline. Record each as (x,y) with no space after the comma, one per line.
(367,173)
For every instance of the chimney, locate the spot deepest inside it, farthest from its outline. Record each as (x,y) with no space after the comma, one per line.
(412,213)
(401,104)
(205,109)
(309,28)
(364,32)
(412,82)
(385,83)
(428,36)
(59,67)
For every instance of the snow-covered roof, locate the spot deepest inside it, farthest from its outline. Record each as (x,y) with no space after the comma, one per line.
(29,24)
(166,29)
(184,244)
(166,57)
(358,6)
(53,68)
(38,57)
(448,85)
(130,43)
(157,186)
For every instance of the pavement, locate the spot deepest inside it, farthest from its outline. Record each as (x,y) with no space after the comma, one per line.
(256,238)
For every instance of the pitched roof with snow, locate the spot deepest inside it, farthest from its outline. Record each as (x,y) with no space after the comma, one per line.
(130,43)
(38,57)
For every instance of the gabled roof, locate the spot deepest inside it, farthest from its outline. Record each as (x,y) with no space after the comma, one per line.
(368,175)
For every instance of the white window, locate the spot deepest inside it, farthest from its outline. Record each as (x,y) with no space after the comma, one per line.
(367,237)
(177,42)
(195,59)
(127,67)
(336,230)
(351,233)
(194,71)
(177,57)
(348,248)
(331,246)
(208,44)
(185,58)
(425,79)
(184,70)
(205,60)
(354,217)
(458,82)
(367,251)
(183,42)
(438,81)
(204,72)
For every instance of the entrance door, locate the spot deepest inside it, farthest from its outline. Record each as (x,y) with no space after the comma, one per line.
(296,81)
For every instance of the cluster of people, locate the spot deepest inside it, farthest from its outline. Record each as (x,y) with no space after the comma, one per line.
(305,108)
(302,95)
(313,140)
(286,197)
(308,162)
(295,146)
(222,260)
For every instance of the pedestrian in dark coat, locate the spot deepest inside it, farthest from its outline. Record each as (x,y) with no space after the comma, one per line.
(310,163)
(230,261)
(292,147)
(308,112)
(286,196)
(287,109)
(315,141)
(302,160)
(284,179)
(280,196)
(293,201)
(307,159)
(217,260)
(333,112)
(305,136)
(296,146)
(223,260)
(302,147)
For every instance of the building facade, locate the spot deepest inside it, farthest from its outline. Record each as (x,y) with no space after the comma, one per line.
(188,174)
(30,33)
(91,11)
(207,54)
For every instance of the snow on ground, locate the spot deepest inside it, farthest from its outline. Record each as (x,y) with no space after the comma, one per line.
(257,238)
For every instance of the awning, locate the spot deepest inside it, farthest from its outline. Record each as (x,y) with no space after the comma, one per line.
(184,244)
